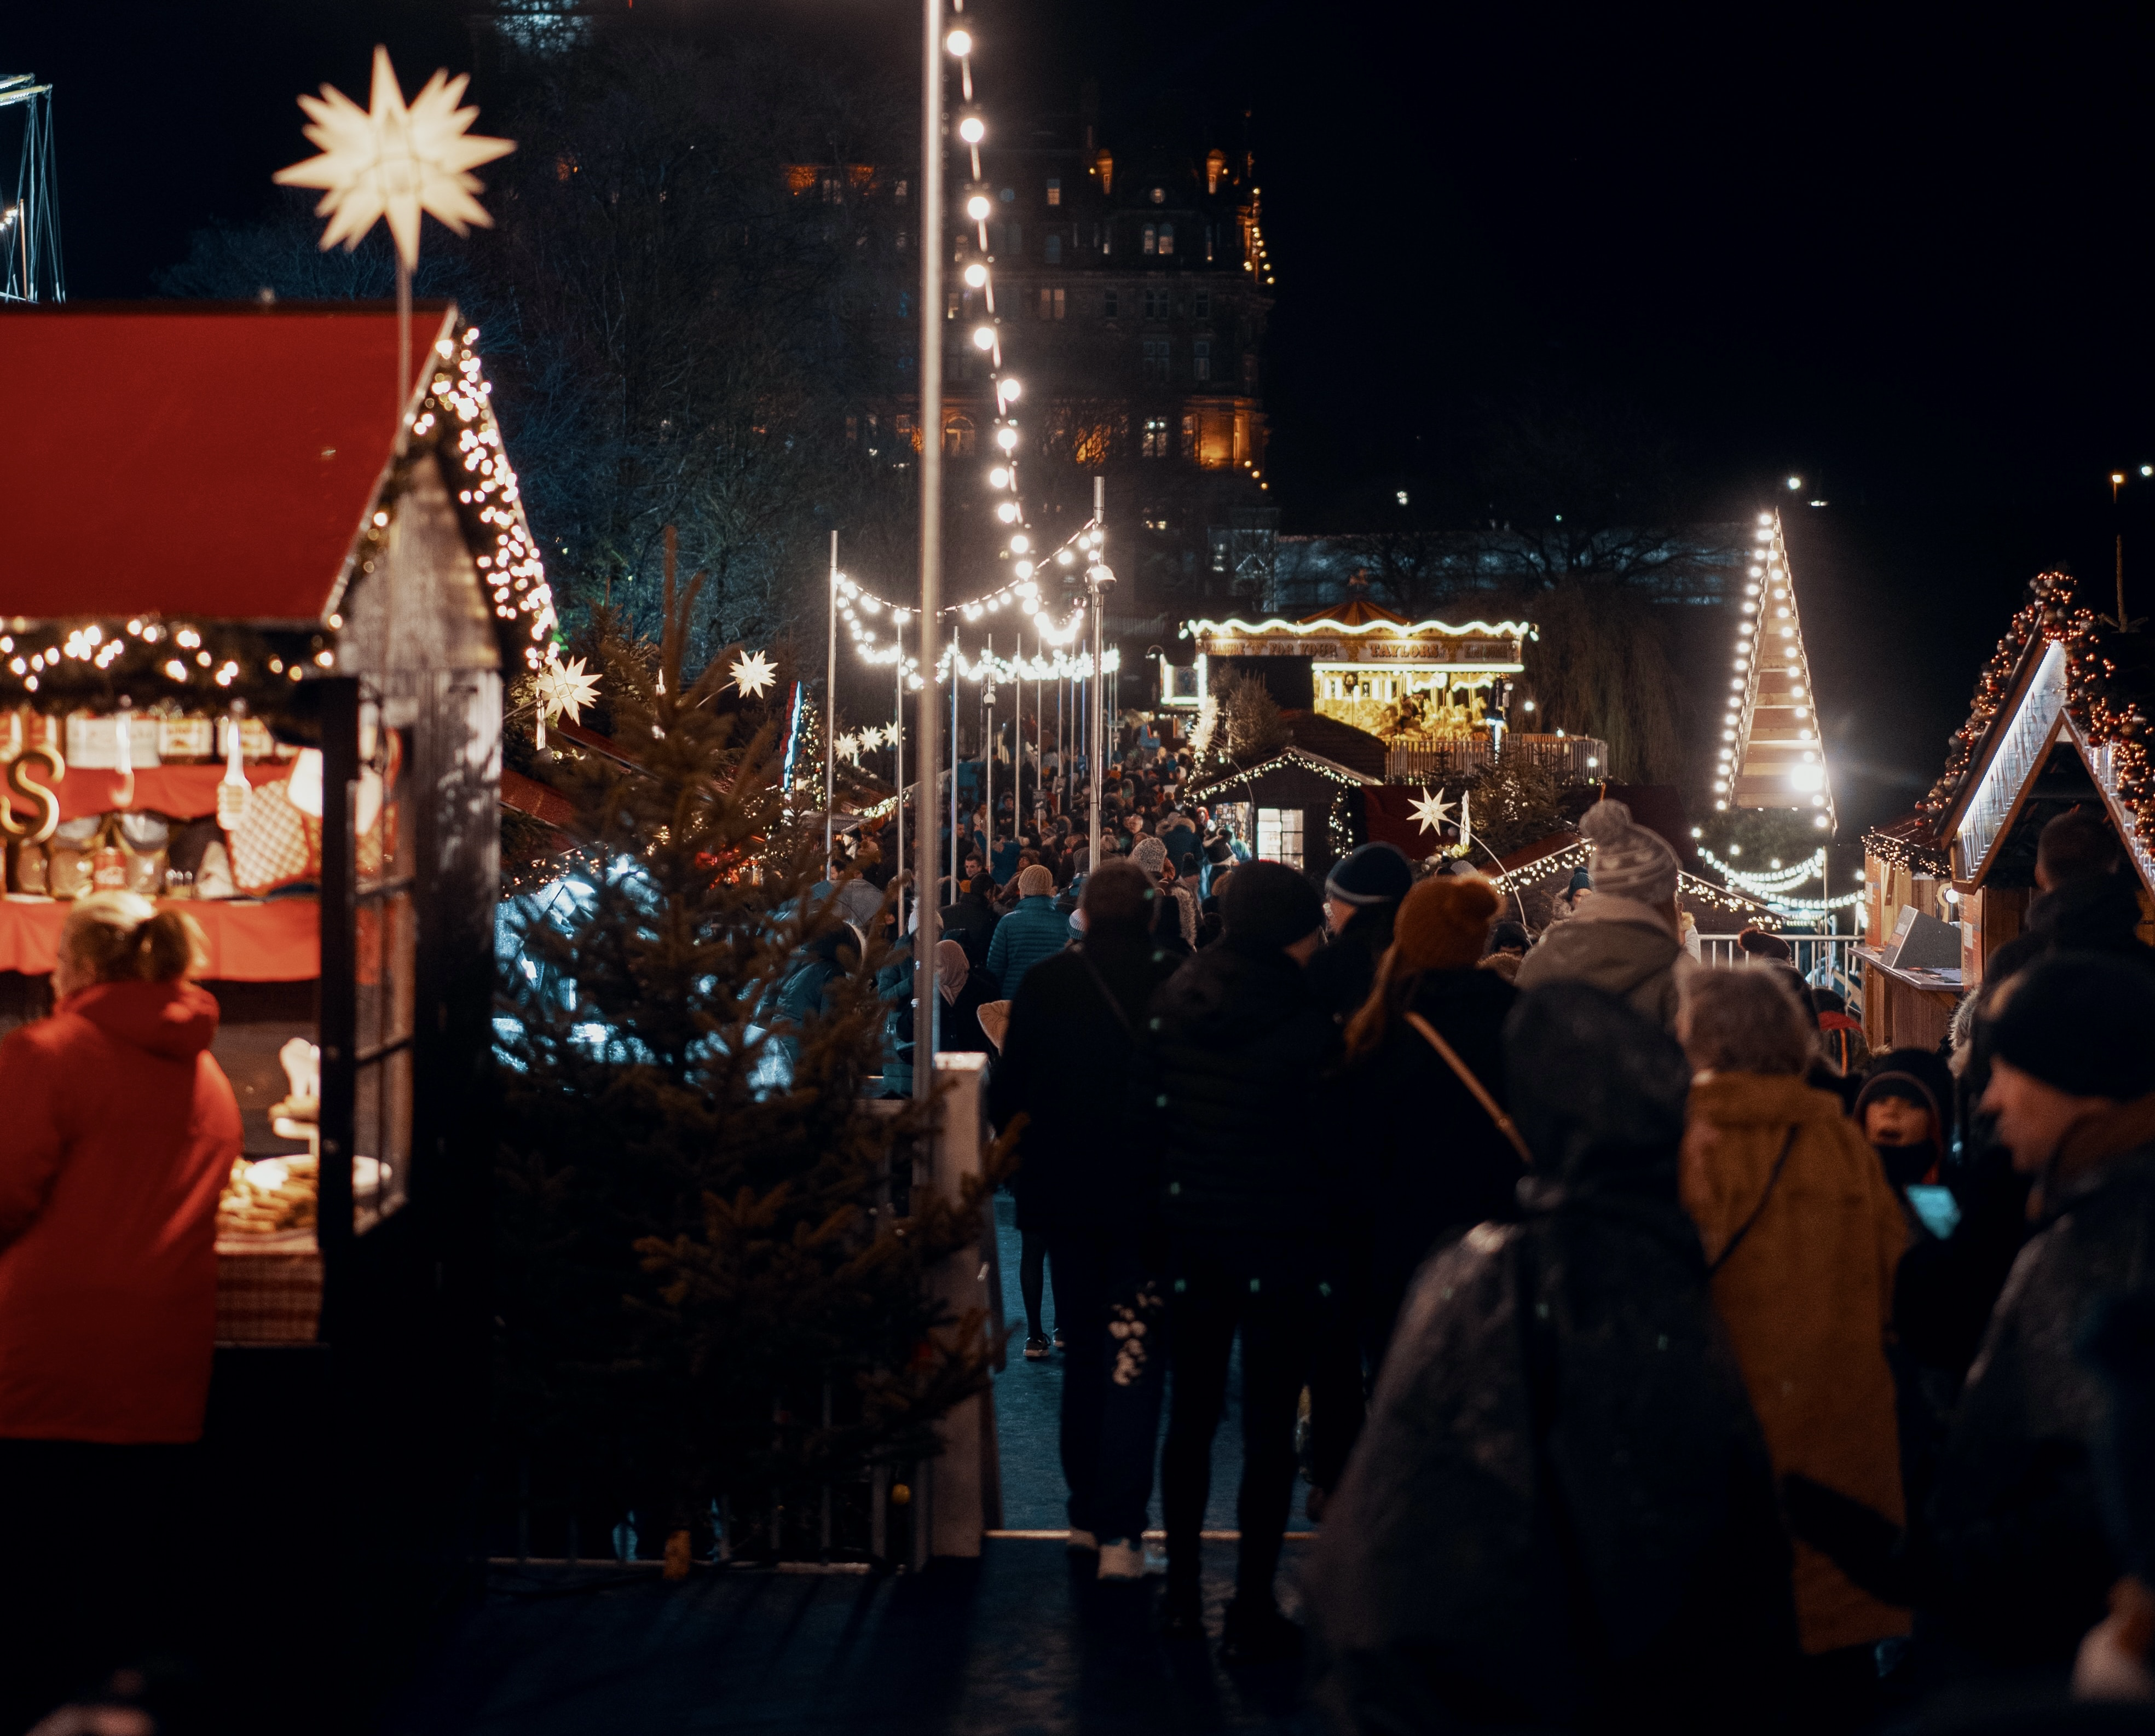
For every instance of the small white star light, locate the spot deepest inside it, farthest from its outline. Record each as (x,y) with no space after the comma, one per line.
(1432,810)
(848,747)
(394,160)
(753,674)
(563,687)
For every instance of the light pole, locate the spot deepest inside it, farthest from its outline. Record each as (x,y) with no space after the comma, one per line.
(924,995)
(1098,578)
(831,714)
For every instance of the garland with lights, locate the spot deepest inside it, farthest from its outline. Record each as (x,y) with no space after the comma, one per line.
(2105,712)
(147,660)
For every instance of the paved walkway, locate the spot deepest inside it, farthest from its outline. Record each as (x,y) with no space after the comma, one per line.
(1023,1642)
(1028,1409)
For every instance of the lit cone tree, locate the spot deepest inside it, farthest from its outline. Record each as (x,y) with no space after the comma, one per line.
(712,1288)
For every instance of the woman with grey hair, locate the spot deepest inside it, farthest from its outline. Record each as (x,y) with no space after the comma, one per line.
(1802,1234)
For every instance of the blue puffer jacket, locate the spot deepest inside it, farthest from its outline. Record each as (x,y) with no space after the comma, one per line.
(1034,930)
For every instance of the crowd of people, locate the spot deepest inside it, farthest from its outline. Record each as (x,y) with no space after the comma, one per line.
(1649,1348)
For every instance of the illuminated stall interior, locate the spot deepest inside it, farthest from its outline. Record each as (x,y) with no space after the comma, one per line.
(2059,723)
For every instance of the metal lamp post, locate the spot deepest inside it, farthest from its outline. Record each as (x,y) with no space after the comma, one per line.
(924,995)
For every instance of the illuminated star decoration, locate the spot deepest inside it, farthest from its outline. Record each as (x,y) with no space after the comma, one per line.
(394,160)
(1432,810)
(849,748)
(753,674)
(565,687)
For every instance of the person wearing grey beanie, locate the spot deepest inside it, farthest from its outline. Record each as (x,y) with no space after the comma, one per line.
(1624,938)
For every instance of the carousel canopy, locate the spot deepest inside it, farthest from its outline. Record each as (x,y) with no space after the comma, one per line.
(213,460)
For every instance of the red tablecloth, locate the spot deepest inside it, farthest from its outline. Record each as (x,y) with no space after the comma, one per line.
(277,942)
(186,792)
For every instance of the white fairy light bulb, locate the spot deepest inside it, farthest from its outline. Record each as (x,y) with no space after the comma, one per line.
(976,274)
(1007,437)
(1007,512)
(960,42)
(984,337)
(1008,390)
(999,478)
(977,208)
(1019,543)
(971,130)
(1063,557)
(1024,571)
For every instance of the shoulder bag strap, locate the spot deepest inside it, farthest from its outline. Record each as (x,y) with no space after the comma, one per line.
(1758,1210)
(1481,1096)
(1106,993)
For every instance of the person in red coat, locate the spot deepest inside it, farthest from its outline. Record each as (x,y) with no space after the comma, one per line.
(120,1131)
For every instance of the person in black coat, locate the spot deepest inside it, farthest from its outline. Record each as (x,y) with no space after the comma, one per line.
(1362,896)
(971,920)
(1090,1190)
(1429,1162)
(1236,1044)
(1562,1514)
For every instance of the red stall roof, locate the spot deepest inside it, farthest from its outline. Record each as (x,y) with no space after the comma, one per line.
(199,459)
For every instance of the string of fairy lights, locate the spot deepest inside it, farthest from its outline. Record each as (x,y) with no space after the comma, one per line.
(1769,639)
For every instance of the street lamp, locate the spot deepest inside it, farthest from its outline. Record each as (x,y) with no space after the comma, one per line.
(925,999)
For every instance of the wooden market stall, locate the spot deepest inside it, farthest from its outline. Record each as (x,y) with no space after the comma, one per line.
(1297,807)
(2060,721)
(258,598)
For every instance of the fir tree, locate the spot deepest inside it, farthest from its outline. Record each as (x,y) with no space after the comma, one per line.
(711,1277)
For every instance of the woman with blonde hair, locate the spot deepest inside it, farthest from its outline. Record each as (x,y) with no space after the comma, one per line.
(122,1130)
(1802,1234)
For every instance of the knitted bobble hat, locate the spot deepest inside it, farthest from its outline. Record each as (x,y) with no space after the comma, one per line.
(1036,881)
(1629,862)
(1444,923)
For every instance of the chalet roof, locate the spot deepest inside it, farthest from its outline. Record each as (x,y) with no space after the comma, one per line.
(2060,678)
(1287,759)
(207,460)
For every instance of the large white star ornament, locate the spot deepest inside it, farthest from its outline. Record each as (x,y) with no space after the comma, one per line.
(393,160)
(566,688)
(1432,810)
(753,674)
(847,748)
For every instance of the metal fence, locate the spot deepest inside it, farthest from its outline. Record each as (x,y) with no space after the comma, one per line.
(1574,759)
(1826,961)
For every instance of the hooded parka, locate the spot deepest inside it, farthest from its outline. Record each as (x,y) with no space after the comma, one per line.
(122,1130)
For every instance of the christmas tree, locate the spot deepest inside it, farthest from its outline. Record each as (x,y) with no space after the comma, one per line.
(711,1267)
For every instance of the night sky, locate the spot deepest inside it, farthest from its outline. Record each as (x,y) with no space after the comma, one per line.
(1901,259)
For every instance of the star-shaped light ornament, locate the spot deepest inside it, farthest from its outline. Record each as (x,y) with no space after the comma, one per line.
(393,160)
(848,747)
(753,674)
(1434,811)
(563,687)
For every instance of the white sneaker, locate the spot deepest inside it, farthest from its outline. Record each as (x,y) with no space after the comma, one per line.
(1081,1540)
(1122,1560)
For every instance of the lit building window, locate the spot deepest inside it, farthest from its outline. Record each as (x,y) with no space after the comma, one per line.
(1189,435)
(1050,304)
(1167,237)
(1151,243)
(1054,191)
(1154,444)
(1279,835)
(958,436)
(1215,168)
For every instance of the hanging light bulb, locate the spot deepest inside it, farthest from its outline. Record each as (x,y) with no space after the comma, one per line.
(960,42)
(1007,512)
(976,274)
(1007,437)
(984,337)
(1009,389)
(999,478)
(977,208)
(1019,543)
(1024,571)
(971,130)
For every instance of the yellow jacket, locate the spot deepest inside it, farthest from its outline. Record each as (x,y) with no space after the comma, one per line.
(1806,1296)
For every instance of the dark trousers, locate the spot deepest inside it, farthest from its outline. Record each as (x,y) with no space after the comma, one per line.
(1115,1362)
(1337,1386)
(1209,1301)
(100,1564)
(1031,1280)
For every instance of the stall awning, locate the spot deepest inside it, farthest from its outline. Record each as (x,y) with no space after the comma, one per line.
(213,460)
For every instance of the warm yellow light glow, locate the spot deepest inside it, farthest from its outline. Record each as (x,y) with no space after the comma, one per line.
(960,42)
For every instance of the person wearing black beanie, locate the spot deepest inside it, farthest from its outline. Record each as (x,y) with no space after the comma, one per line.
(1236,1045)
(2024,1566)
(1362,895)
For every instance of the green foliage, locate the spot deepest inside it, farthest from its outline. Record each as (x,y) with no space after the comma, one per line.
(1249,729)
(690,1258)
(1514,803)
(1601,667)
